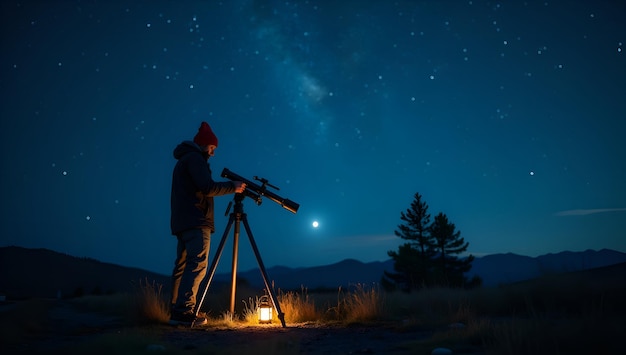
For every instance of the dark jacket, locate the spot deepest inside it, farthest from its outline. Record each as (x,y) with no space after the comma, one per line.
(193,190)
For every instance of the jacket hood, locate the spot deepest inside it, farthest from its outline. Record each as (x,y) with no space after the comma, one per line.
(186,147)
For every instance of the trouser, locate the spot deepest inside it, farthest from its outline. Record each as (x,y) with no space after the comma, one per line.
(192,257)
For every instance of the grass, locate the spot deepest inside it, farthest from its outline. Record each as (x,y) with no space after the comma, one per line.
(359,304)
(547,315)
(552,315)
(151,305)
(298,307)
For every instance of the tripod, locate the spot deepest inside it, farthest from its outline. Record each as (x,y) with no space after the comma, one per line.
(236,217)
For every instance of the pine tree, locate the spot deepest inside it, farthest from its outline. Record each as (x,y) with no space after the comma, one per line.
(449,269)
(413,260)
(416,229)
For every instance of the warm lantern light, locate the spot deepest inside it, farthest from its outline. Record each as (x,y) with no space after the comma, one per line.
(265,310)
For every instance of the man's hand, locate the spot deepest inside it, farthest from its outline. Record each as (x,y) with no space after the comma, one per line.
(239,186)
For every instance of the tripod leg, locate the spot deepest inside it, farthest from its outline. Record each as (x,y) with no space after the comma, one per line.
(281,315)
(233,280)
(216,259)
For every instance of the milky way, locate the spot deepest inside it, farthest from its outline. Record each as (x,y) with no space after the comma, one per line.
(507,117)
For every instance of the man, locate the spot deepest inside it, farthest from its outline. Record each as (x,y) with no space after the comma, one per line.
(192,220)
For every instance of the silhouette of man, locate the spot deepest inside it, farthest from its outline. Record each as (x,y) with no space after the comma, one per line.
(192,220)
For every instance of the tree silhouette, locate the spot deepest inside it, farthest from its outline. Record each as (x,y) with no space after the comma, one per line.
(413,259)
(416,229)
(428,257)
(448,268)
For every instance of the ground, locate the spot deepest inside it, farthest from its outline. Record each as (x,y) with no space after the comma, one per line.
(67,330)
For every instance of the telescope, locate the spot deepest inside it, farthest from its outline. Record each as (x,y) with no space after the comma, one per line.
(256,191)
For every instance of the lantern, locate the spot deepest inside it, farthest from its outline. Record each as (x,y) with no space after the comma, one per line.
(265,310)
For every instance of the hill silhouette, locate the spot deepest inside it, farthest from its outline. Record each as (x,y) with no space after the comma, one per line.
(494,269)
(28,273)
(507,268)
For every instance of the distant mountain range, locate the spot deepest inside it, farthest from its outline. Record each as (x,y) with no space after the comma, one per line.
(494,269)
(499,269)
(342,274)
(28,273)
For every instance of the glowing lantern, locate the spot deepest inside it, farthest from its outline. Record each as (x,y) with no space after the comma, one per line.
(265,310)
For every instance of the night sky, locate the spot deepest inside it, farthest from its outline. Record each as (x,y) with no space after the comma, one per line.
(509,117)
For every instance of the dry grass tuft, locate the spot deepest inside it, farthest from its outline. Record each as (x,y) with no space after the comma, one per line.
(298,307)
(365,303)
(150,305)
(360,304)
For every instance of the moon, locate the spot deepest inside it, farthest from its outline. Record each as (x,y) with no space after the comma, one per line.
(315,224)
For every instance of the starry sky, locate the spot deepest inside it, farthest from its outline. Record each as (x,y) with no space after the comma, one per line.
(509,117)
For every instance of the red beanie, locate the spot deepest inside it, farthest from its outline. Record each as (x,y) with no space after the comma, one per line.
(205,136)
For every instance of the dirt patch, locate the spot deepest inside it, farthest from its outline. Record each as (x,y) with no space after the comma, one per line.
(299,339)
(47,324)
